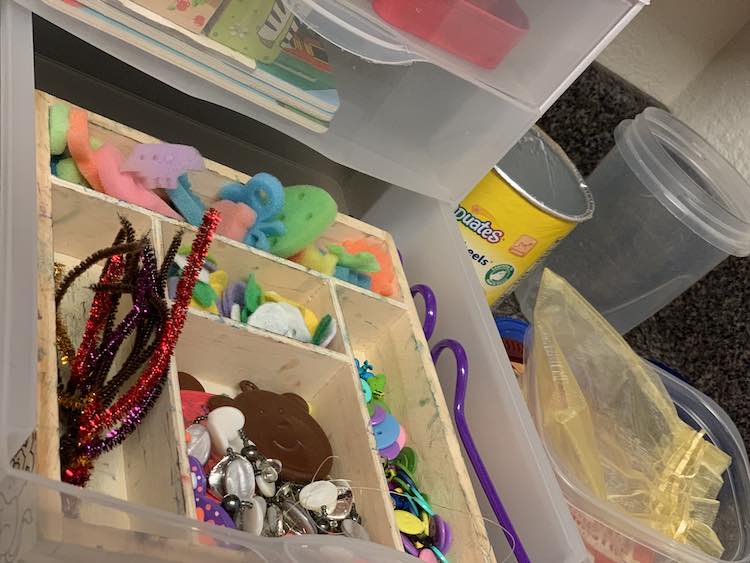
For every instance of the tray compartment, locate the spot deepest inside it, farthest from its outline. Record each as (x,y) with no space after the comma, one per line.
(390,339)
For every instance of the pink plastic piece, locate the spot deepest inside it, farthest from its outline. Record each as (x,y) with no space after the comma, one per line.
(479,31)
(159,165)
(125,186)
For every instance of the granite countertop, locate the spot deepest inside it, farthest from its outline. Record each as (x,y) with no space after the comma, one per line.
(704,333)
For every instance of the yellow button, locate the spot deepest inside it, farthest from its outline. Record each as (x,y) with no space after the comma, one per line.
(408,523)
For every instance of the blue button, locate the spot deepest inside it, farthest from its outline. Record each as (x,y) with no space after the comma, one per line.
(386,432)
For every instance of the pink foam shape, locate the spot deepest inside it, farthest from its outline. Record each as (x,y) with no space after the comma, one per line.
(159,165)
(127,187)
(236,219)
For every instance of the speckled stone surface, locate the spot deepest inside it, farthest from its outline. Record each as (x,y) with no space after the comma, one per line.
(704,334)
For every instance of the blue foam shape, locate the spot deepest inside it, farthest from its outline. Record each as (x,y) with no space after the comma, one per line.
(187,203)
(265,195)
(348,275)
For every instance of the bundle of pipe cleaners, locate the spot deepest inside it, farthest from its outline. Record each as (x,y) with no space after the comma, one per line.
(96,413)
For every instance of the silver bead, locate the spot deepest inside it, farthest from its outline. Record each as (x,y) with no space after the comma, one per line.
(251,453)
(269,474)
(231,503)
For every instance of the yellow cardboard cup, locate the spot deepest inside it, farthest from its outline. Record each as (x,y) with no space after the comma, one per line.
(520,211)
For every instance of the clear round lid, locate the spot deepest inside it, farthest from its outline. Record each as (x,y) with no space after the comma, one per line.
(689,178)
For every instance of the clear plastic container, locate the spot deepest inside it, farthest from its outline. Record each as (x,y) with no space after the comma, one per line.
(613,534)
(669,208)
(435,253)
(34,527)
(408,105)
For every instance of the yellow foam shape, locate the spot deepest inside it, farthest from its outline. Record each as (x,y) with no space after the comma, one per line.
(323,262)
(310,318)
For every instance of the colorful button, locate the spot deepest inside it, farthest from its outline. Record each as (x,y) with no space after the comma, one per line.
(408,545)
(407,460)
(402,438)
(441,533)
(366,390)
(378,415)
(387,432)
(377,403)
(391,451)
(407,523)
(427,555)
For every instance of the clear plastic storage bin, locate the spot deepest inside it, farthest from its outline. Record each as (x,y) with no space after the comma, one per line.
(37,530)
(419,96)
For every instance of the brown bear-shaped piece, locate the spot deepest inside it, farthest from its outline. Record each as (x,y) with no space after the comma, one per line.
(282,428)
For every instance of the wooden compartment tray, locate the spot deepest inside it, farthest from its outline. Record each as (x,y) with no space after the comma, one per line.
(150,469)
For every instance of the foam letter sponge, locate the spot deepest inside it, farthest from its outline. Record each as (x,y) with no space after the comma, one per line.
(59,115)
(308,212)
(236,219)
(384,281)
(186,202)
(67,170)
(312,258)
(124,186)
(80,147)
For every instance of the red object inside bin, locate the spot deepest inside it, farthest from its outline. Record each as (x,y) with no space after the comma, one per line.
(479,31)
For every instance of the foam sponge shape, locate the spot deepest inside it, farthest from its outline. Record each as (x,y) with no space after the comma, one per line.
(356,278)
(59,116)
(186,202)
(384,281)
(308,212)
(311,257)
(359,262)
(67,170)
(265,194)
(79,146)
(310,318)
(236,219)
(124,186)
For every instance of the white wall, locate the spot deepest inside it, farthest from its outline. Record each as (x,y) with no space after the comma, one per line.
(694,57)
(670,42)
(717,102)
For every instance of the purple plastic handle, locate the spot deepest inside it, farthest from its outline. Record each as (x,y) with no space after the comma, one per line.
(430,308)
(462,383)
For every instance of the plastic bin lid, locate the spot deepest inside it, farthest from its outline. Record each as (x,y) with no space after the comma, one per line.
(689,178)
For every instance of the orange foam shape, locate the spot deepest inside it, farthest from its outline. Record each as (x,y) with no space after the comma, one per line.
(80,147)
(384,281)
